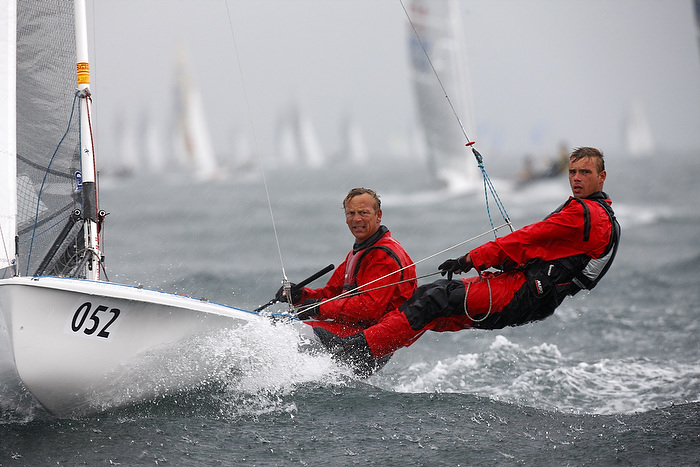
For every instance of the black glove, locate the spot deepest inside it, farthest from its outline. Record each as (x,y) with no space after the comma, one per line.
(309,309)
(297,293)
(454,266)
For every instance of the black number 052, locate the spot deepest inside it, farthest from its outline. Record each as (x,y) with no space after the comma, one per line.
(92,323)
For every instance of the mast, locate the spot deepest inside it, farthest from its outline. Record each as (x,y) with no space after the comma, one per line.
(87,160)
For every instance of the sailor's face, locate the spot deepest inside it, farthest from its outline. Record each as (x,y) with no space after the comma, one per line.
(584,177)
(361,217)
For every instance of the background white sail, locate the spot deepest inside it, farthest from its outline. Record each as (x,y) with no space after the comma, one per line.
(353,147)
(150,140)
(639,140)
(127,147)
(193,141)
(297,139)
(440,28)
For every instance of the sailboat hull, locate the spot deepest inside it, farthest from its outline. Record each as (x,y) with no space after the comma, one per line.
(83,345)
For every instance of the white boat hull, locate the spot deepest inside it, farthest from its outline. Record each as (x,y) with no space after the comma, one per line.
(81,345)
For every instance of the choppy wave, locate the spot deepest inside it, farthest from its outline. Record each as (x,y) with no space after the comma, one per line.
(254,372)
(540,376)
(255,369)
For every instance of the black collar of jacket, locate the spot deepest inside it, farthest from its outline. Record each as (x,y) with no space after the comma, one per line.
(598,195)
(371,240)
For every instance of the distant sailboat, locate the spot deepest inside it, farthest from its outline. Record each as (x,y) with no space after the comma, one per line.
(151,144)
(297,140)
(193,144)
(549,168)
(638,137)
(139,146)
(287,143)
(127,151)
(439,25)
(353,147)
(243,154)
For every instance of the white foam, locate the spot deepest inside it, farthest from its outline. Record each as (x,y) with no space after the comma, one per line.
(542,377)
(250,369)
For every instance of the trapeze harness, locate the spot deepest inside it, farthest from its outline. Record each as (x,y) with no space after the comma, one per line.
(377,242)
(549,282)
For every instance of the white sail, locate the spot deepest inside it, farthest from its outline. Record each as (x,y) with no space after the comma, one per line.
(639,140)
(440,28)
(151,138)
(8,168)
(287,143)
(310,144)
(126,162)
(353,145)
(243,154)
(193,140)
(297,140)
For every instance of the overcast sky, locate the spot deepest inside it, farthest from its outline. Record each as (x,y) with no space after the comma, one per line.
(543,71)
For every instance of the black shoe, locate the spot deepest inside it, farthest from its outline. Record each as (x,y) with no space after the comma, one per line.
(352,351)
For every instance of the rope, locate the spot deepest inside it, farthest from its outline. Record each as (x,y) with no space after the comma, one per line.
(357,290)
(466,294)
(444,91)
(354,292)
(88,96)
(488,185)
(285,281)
(94,252)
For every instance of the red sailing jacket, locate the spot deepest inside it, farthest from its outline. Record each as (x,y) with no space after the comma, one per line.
(366,308)
(561,235)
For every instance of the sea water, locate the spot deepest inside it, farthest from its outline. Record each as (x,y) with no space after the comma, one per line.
(613,377)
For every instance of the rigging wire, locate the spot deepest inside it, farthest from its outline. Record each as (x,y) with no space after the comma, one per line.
(95,251)
(285,281)
(357,291)
(43,182)
(437,76)
(492,189)
(488,185)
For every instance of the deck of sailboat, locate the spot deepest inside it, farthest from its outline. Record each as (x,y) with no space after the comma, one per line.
(125,292)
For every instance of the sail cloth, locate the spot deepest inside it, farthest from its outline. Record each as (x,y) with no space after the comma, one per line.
(47,154)
(7,134)
(439,25)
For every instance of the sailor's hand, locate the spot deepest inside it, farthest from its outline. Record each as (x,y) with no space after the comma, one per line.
(455,266)
(309,309)
(297,293)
